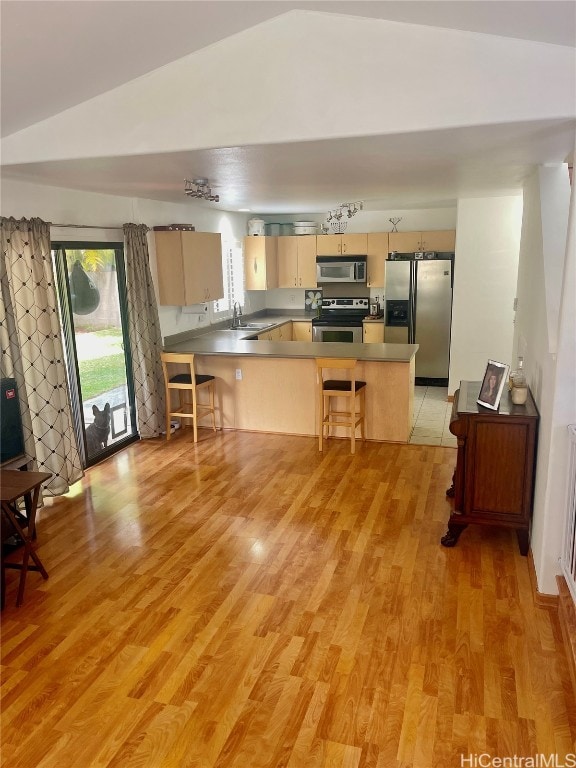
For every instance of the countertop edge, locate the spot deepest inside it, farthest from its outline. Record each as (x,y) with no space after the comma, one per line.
(385,352)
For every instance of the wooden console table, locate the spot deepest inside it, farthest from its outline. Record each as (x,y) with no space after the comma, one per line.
(14,485)
(494,478)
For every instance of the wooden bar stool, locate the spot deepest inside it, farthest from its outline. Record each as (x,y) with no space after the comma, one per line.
(348,388)
(13,486)
(189,382)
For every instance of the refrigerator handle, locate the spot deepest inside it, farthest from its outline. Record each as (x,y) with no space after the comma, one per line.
(412,305)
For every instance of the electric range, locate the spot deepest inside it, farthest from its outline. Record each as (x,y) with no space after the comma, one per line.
(341,319)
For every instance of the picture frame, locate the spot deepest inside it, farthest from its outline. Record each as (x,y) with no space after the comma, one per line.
(495,377)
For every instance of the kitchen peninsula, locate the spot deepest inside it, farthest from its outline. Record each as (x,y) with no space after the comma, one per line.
(270,386)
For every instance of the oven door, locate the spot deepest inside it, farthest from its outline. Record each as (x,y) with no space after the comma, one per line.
(342,333)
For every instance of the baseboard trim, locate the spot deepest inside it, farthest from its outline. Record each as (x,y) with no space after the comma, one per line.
(541,599)
(567,618)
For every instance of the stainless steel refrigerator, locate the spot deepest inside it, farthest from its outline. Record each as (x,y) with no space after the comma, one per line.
(418,295)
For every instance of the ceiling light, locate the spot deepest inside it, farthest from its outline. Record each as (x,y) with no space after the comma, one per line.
(199,189)
(350,208)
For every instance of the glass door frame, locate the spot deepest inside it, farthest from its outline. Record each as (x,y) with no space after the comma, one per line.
(59,249)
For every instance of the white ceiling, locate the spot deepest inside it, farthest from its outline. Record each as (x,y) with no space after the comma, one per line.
(55,54)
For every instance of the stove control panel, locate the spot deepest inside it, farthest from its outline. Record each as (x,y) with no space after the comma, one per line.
(345,303)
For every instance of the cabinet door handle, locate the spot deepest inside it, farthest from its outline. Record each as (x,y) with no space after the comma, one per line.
(300,282)
(255,266)
(294,282)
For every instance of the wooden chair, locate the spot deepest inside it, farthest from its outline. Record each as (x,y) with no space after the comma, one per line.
(189,382)
(348,388)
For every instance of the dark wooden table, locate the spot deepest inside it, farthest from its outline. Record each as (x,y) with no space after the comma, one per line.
(15,485)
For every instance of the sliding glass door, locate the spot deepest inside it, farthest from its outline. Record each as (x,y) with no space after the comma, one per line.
(92,295)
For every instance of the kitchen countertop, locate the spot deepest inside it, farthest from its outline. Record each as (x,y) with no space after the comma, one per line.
(224,342)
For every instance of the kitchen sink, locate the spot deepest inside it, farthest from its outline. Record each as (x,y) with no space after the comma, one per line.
(248,326)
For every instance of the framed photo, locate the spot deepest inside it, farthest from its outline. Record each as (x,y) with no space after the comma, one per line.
(492,384)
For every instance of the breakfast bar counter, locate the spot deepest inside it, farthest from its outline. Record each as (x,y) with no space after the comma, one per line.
(221,343)
(270,386)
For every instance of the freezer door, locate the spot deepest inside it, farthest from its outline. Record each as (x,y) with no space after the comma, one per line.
(398,308)
(397,280)
(433,317)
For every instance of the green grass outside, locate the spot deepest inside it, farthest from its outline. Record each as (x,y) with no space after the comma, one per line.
(101,375)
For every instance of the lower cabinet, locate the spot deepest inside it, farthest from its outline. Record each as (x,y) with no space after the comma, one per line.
(302,330)
(293,330)
(373,333)
(279,333)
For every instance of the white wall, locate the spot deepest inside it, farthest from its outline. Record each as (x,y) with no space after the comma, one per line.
(485,276)
(307,76)
(109,212)
(545,335)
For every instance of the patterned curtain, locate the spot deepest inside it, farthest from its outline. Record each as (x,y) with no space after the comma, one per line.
(144,333)
(32,350)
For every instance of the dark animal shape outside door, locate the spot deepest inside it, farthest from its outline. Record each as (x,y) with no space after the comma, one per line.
(97,433)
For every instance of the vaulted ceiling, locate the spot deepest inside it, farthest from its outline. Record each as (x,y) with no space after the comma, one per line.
(57,55)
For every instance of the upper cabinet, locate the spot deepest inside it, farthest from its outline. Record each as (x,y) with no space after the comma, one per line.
(377,253)
(260,263)
(297,261)
(189,267)
(411,242)
(342,245)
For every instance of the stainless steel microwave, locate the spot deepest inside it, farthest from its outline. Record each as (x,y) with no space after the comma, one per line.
(334,270)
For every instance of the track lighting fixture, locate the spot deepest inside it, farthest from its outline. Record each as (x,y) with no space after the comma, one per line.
(199,189)
(350,208)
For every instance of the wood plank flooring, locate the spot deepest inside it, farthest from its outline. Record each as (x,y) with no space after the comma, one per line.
(249,602)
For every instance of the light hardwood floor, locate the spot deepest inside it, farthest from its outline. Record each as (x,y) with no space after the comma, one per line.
(250,602)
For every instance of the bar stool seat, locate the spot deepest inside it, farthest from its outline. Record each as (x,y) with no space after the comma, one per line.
(190,382)
(328,416)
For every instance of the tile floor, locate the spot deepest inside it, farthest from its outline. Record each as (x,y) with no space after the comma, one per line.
(432,417)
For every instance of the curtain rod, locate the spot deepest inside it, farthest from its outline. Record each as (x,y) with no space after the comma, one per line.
(84,226)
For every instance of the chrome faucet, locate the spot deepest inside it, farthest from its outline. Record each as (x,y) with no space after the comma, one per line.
(236,315)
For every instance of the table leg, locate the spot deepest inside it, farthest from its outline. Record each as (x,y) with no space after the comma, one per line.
(27,539)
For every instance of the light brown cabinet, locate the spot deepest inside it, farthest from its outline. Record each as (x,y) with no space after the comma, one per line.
(279,333)
(302,330)
(260,263)
(373,333)
(189,267)
(297,261)
(342,245)
(433,240)
(377,253)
